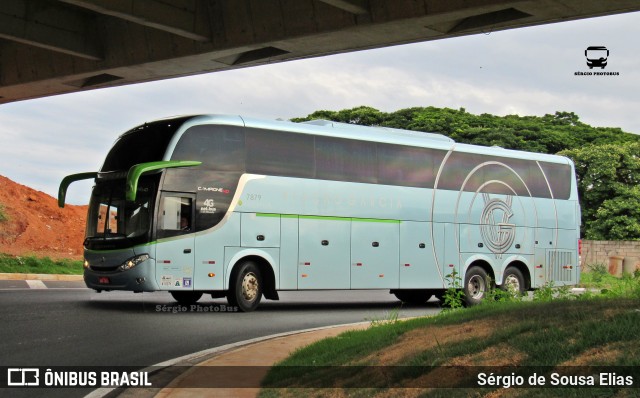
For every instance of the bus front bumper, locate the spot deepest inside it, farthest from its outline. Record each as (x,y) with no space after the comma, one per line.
(140,278)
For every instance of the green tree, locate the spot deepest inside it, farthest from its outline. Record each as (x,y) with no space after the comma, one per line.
(546,134)
(618,218)
(608,176)
(362,115)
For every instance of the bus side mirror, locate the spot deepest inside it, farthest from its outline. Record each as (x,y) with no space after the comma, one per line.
(64,184)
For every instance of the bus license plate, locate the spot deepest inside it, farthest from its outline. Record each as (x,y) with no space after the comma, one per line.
(104,280)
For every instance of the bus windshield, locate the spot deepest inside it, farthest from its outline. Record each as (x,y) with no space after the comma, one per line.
(146,143)
(114,222)
(597,53)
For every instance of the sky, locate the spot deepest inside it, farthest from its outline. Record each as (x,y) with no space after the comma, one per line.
(527,71)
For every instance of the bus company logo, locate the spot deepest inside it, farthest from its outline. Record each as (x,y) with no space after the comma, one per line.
(213,189)
(497,233)
(597,57)
(23,377)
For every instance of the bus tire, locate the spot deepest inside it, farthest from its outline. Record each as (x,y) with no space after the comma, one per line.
(475,285)
(186,298)
(413,296)
(513,281)
(245,288)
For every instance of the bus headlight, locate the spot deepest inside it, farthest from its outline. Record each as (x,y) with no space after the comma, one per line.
(85,264)
(133,261)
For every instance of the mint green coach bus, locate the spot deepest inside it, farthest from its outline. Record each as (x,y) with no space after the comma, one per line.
(242,208)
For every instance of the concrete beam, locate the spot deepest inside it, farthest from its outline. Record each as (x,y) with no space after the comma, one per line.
(176,17)
(241,33)
(357,7)
(47,25)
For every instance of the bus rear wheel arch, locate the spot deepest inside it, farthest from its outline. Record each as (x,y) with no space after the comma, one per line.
(245,287)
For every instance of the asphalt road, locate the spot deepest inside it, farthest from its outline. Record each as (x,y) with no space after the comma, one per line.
(62,324)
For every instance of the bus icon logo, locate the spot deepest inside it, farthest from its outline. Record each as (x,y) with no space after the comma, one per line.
(596,56)
(23,377)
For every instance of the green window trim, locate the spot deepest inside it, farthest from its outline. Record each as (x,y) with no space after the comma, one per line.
(133,176)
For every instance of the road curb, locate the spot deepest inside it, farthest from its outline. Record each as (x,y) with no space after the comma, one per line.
(40,277)
(200,357)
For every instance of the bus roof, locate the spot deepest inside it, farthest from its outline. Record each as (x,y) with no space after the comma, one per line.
(410,134)
(356,132)
(365,133)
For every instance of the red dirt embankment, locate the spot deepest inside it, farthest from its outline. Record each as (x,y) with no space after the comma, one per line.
(35,225)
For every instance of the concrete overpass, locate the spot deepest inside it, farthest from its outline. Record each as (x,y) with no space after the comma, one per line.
(52,47)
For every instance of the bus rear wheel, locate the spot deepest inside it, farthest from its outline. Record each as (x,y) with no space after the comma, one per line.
(513,281)
(186,298)
(245,290)
(475,285)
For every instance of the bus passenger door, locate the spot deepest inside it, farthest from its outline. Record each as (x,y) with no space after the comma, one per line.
(175,241)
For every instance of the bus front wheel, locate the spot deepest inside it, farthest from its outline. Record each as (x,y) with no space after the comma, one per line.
(245,290)
(186,298)
(475,285)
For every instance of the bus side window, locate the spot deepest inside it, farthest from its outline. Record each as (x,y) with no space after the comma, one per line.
(176,216)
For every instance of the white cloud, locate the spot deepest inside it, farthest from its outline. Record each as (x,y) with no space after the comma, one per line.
(526,71)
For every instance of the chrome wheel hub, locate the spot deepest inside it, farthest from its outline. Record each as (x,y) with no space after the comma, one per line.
(512,284)
(476,287)
(250,286)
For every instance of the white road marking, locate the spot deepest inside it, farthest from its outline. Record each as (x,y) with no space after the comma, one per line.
(36,284)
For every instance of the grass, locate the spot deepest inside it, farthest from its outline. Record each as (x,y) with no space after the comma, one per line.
(35,265)
(3,214)
(550,335)
(610,286)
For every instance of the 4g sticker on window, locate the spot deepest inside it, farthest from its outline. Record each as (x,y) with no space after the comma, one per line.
(208,207)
